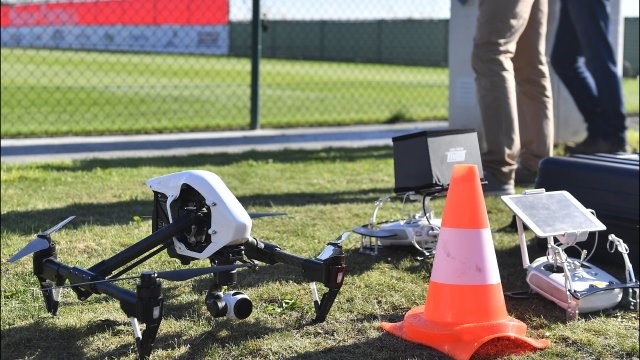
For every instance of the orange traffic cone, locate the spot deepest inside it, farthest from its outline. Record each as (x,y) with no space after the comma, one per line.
(464,306)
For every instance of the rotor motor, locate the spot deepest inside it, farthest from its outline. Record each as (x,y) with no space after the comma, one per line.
(196,238)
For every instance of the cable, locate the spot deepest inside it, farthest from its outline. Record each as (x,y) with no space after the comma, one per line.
(424,209)
(595,243)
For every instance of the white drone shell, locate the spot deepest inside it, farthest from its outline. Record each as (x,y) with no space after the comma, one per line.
(230,222)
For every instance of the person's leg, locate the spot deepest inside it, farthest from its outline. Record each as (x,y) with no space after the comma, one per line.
(535,102)
(567,61)
(591,19)
(499,25)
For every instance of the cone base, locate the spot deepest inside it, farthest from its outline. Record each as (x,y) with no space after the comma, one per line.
(463,340)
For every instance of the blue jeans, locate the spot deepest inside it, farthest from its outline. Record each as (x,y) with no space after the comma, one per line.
(584,60)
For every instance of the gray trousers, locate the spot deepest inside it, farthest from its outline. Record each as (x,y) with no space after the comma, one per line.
(513,85)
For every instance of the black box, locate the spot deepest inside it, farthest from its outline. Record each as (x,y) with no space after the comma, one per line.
(423,161)
(607,184)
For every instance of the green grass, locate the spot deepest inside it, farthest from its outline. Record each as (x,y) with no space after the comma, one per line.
(325,192)
(51,93)
(633,140)
(66,92)
(631,92)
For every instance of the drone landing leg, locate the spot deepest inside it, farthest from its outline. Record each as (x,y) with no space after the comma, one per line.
(137,334)
(324,306)
(148,309)
(51,295)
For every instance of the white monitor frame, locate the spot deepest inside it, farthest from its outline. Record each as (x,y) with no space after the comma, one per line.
(552,213)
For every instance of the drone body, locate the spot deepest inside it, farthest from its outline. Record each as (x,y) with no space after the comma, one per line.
(195,217)
(230,222)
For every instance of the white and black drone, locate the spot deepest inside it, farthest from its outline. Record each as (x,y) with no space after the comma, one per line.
(195,216)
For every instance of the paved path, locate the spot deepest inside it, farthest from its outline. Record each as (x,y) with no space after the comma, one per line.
(87,147)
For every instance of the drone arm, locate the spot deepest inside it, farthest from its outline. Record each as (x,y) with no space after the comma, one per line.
(314,270)
(157,238)
(329,271)
(53,269)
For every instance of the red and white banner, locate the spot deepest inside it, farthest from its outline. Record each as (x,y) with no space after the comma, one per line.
(185,26)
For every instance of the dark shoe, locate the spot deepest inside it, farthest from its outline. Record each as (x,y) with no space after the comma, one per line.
(594,146)
(590,141)
(496,187)
(525,177)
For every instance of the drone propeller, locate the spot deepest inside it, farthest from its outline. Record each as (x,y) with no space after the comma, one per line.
(41,242)
(333,248)
(265,214)
(341,238)
(34,245)
(57,227)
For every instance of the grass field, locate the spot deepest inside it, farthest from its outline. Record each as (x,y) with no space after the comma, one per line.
(324,192)
(49,93)
(65,92)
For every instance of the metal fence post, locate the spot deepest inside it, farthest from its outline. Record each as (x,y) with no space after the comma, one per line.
(256,50)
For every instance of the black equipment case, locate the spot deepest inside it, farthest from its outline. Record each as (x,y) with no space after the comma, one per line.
(607,184)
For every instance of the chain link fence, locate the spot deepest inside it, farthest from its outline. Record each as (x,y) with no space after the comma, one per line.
(146,66)
(138,66)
